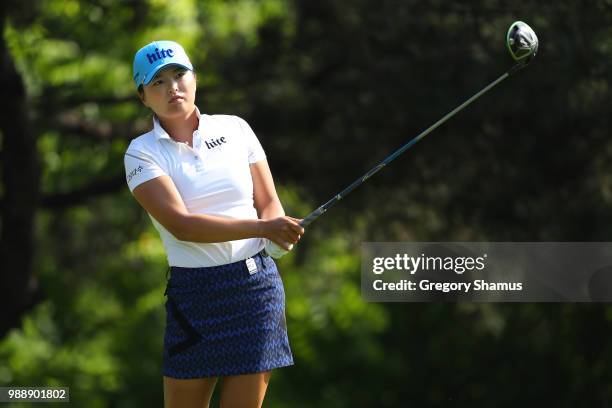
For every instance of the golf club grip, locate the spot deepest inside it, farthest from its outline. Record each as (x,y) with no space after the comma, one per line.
(310,218)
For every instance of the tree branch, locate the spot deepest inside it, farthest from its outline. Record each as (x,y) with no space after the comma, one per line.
(98,131)
(81,194)
(69,95)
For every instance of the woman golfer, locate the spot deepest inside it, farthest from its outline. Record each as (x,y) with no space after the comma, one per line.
(205,183)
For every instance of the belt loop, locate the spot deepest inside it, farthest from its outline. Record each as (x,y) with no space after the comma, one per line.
(263,256)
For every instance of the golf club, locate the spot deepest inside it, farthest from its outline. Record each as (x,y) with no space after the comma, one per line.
(522,44)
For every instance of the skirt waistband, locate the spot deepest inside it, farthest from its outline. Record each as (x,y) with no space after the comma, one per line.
(179,274)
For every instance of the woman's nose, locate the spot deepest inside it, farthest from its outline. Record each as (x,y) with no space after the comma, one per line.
(173,86)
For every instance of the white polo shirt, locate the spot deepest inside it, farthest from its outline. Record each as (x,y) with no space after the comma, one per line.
(213,178)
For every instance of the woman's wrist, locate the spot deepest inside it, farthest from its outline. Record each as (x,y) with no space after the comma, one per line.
(261,228)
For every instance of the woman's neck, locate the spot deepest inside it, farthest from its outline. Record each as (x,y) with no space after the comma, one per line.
(181,128)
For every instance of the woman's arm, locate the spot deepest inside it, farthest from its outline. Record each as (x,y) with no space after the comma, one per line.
(266,199)
(160,198)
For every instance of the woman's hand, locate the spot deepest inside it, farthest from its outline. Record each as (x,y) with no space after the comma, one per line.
(284,231)
(281,232)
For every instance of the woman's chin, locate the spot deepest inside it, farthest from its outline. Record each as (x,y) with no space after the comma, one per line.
(175,110)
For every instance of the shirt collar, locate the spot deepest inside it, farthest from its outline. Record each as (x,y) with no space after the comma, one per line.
(160,132)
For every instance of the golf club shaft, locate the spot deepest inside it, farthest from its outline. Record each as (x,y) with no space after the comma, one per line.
(322,209)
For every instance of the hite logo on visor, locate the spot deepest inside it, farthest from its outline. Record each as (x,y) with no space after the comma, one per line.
(159,55)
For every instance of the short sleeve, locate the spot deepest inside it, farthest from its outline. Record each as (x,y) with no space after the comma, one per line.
(141,166)
(256,152)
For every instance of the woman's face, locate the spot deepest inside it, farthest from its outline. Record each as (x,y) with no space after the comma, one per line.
(171,92)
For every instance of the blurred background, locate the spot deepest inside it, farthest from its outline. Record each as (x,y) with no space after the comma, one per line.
(330,88)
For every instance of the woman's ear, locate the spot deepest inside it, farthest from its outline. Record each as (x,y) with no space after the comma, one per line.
(141,95)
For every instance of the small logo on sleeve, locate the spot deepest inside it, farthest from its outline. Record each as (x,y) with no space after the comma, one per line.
(134,172)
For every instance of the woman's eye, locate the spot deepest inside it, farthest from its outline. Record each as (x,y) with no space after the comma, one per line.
(159,81)
(180,74)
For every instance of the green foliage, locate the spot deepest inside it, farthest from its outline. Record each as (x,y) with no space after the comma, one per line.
(330,89)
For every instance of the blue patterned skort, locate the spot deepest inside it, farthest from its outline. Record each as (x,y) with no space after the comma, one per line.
(224,320)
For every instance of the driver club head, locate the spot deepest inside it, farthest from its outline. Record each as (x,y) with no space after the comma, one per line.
(522,42)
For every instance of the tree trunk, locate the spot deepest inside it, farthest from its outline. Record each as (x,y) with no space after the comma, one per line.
(20,190)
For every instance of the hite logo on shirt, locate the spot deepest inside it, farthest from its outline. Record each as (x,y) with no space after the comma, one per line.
(134,172)
(212,143)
